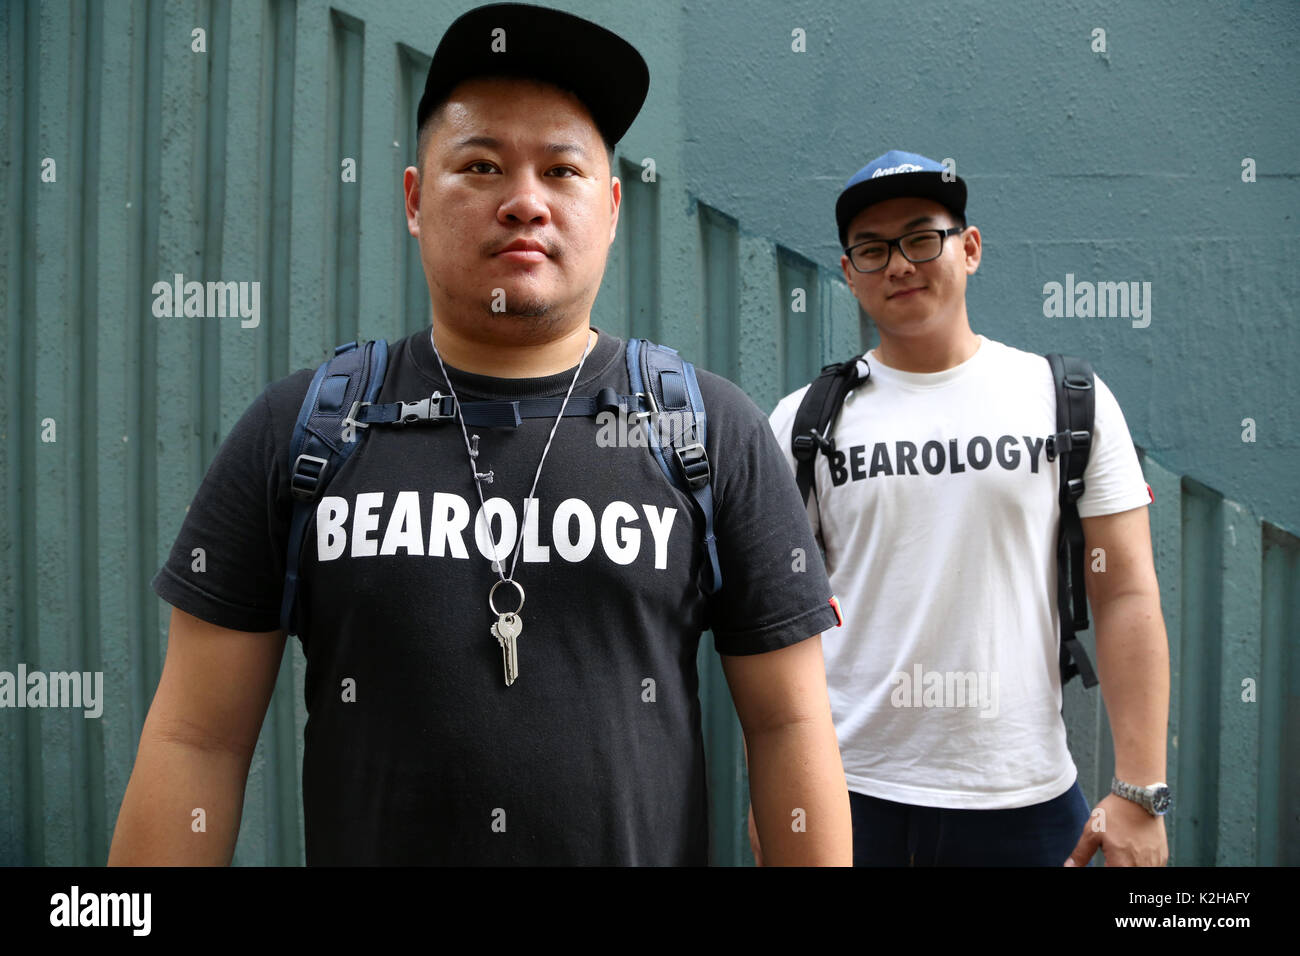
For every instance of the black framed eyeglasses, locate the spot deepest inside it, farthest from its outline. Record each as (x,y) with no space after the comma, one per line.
(921,246)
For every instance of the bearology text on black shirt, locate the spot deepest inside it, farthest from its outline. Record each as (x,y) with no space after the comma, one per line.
(572,530)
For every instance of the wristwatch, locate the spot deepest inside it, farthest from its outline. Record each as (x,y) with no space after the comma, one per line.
(1155,799)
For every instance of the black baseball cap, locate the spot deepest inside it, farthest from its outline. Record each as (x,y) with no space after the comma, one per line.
(598,66)
(896,174)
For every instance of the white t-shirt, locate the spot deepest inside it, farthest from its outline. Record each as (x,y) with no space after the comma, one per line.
(939,525)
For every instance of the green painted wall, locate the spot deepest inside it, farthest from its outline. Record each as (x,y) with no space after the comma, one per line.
(225,165)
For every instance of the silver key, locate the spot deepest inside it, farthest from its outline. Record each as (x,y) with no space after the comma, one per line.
(511,628)
(506,630)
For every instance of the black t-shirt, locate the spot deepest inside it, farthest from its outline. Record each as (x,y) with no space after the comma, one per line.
(415,750)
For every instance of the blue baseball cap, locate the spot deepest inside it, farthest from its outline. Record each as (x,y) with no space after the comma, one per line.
(898,174)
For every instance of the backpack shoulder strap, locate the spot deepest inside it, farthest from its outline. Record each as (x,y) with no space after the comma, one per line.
(815,417)
(321,443)
(1075,408)
(666,383)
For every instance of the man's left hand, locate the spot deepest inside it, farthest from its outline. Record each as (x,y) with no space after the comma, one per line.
(1125,832)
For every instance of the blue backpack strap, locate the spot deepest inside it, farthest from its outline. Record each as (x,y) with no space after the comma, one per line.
(320,445)
(667,383)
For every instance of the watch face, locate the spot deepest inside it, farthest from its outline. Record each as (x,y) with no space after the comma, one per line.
(1161,800)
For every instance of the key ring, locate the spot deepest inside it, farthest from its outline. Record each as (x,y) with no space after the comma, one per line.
(519,587)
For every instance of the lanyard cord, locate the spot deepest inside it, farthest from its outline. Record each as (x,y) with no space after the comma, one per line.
(478,484)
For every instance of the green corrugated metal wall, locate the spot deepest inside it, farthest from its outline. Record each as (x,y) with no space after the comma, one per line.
(225,165)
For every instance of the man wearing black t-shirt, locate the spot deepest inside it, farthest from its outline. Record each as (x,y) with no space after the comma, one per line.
(422,744)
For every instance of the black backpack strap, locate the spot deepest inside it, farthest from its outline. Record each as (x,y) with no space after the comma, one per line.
(666,383)
(815,417)
(324,437)
(1075,408)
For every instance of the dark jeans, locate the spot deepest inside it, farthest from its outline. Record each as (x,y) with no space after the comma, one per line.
(899,834)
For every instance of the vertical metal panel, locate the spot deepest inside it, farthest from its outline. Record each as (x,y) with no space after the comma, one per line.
(209,186)
(761,300)
(801,320)
(142,330)
(160,434)
(52,547)
(294,113)
(719,251)
(86,64)
(412,67)
(639,215)
(343,215)
(1278,694)
(279,50)
(18,81)
(243,369)
(246,353)
(115,280)
(1199,676)
(1238,639)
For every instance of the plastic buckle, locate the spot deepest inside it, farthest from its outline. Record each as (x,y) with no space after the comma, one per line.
(1063,442)
(804,444)
(696,470)
(437,407)
(1074,489)
(304,480)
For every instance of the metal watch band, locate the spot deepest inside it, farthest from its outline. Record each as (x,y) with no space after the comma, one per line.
(1145,797)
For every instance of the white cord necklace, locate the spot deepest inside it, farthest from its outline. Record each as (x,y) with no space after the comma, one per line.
(509,624)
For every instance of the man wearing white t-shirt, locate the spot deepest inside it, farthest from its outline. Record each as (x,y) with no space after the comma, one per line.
(938,514)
